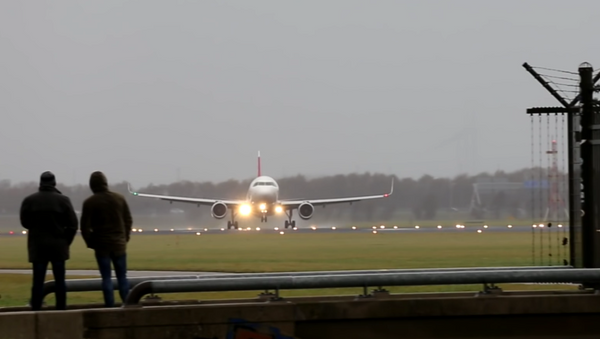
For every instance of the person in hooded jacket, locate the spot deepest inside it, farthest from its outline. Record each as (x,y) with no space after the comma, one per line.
(50,219)
(106,227)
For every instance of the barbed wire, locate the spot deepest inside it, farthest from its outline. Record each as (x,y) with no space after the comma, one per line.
(556,70)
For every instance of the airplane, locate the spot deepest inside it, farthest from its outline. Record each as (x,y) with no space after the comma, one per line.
(262,200)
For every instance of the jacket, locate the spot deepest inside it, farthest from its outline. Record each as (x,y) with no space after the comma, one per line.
(51,222)
(105,219)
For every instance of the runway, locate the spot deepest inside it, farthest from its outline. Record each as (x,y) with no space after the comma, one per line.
(331,229)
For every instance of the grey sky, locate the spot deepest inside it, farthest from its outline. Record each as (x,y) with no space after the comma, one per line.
(139,89)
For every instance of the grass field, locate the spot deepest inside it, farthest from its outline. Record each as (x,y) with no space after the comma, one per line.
(271,252)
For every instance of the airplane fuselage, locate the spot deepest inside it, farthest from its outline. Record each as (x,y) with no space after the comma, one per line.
(263,196)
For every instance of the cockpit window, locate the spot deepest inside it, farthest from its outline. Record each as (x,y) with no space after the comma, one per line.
(263,183)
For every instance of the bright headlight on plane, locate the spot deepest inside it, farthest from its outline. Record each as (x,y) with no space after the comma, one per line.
(278,209)
(245,209)
(263,207)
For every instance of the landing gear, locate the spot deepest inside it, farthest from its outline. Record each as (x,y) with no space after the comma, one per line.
(290,222)
(232,223)
(263,218)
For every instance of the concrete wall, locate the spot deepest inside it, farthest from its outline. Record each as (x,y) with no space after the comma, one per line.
(542,316)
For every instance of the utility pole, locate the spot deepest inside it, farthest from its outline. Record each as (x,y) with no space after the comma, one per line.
(590,168)
(583,135)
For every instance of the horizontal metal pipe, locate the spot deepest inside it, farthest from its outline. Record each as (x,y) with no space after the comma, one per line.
(363,280)
(88,285)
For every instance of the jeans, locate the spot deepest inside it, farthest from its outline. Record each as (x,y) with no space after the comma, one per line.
(39,276)
(120,265)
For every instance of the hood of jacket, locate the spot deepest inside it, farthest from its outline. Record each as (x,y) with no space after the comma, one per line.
(98,182)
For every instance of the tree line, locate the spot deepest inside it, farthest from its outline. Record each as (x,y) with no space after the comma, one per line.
(425,198)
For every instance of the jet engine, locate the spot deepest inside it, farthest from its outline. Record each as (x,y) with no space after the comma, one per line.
(306,210)
(218,210)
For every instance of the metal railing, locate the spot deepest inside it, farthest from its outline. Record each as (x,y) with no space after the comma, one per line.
(92,285)
(457,277)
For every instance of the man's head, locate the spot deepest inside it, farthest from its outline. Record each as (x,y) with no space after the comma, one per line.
(98,182)
(47,179)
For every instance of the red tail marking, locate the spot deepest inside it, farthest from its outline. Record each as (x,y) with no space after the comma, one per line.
(259,163)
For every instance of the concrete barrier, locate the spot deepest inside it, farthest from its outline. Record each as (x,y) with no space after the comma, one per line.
(450,316)
(42,325)
(18,326)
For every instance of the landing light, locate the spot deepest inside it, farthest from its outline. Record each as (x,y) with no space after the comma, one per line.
(278,209)
(245,209)
(263,207)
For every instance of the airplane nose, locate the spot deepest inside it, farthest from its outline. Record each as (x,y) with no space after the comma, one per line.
(265,194)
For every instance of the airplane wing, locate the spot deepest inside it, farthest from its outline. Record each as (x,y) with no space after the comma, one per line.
(197,201)
(293,204)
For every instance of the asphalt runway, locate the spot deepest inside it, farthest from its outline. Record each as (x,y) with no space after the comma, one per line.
(379,229)
(330,230)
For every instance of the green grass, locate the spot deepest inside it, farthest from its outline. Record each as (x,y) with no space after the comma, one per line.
(272,252)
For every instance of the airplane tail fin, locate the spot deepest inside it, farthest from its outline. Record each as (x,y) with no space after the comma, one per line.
(259,163)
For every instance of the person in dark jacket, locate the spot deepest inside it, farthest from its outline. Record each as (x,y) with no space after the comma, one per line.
(50,219)
(106,227)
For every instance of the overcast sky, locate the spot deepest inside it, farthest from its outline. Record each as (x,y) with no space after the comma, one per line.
(140,89)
